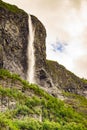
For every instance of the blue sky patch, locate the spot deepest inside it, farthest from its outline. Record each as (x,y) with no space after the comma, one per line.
(59,46)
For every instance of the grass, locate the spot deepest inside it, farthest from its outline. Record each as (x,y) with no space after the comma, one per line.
(78,102)
(40,111)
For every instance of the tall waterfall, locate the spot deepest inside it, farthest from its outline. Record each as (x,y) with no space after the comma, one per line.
(31,57)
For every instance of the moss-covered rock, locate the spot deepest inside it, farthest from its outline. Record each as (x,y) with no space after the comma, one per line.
(10,8)
(64,79)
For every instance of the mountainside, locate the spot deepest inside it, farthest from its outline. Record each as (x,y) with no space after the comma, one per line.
(25,106)
(66,80)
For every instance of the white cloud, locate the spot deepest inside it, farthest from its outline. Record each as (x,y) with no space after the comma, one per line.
(65,21)
(82,63)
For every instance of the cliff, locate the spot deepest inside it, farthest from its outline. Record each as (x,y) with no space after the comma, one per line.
(14,38)
(13,44)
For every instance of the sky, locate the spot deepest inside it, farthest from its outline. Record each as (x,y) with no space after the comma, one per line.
(66,24)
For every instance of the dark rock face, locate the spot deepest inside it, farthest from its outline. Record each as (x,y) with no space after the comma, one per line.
(39,42)
(41,75)
(13,41)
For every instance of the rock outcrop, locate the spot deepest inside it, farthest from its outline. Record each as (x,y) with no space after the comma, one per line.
(65,80)
(40,52)
(13,39)
(14,32)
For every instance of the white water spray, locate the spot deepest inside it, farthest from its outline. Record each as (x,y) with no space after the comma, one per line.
(31,58)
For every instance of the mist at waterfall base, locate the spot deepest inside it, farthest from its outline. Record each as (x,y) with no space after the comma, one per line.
(30,53)
(65,22)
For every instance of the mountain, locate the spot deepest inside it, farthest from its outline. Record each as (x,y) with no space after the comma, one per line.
(25,106)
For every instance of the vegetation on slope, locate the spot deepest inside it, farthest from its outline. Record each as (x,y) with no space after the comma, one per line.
(9,7)
(65,79)
(79,103)
(25,106)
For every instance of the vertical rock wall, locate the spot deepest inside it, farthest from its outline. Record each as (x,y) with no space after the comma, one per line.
(13,40)
(41,75)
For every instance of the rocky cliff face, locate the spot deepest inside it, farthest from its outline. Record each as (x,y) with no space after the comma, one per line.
(14,32)
(13,39)
(42,77)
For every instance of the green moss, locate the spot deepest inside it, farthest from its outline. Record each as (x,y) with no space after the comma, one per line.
(84,80)
(9,7)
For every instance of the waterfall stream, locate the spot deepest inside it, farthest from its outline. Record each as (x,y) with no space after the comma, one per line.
(31,57)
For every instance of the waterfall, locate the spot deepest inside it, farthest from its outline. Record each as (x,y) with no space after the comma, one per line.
(31,58)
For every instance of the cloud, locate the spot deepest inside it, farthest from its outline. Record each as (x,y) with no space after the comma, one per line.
(82,69)
(76,4)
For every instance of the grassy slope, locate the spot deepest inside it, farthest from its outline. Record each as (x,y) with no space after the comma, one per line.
(35,109)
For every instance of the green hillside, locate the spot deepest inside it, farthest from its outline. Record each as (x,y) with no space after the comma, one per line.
(25,106)
(65,79)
